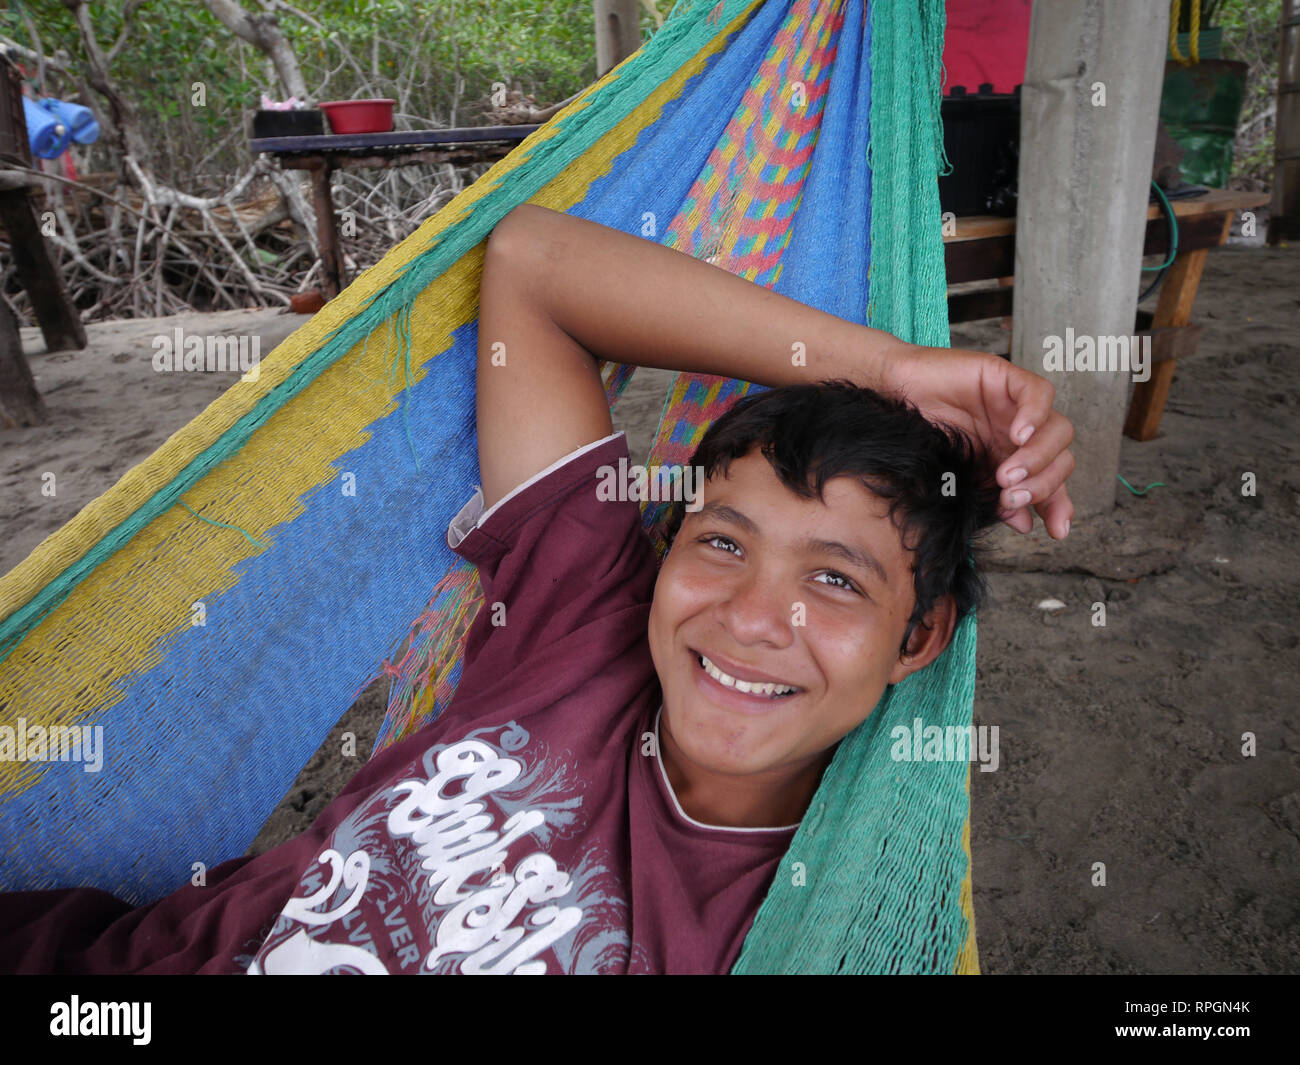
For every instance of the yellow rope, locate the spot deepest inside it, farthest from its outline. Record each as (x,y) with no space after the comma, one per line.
(1193,36)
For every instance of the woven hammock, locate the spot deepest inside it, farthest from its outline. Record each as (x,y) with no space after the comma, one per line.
(219,608)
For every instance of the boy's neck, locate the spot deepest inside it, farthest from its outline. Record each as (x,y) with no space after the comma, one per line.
(771,800)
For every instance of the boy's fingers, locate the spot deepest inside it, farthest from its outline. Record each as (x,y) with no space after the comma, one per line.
(1035,474)
(1022,520)
(1046,492)
(1048,442)
(1033,397)
(1057,511)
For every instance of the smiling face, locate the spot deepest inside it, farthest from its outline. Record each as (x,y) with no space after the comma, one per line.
(773,589)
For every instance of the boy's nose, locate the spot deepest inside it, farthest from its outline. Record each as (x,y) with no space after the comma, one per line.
(757,611)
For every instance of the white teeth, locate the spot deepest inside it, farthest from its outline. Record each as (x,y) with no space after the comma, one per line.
(743,685)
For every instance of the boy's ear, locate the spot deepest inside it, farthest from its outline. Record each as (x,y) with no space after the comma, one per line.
(928,641)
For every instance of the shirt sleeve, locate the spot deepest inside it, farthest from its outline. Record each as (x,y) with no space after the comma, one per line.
(567,570)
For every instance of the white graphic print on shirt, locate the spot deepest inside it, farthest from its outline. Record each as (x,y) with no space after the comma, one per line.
(427,864)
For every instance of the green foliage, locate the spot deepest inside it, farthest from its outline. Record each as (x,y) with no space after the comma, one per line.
(1252,35)
(441,58)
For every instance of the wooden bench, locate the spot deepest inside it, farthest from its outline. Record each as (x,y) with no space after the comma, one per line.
(984,247)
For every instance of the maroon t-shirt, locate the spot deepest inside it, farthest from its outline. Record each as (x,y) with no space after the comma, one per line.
(530,829)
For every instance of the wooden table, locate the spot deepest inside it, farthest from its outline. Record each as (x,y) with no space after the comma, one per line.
(321,156)
(984,247)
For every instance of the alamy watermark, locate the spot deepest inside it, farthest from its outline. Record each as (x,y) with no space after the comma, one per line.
(207,353)
(58,743)
(1085,353)
(656,483)
(79,1018)
(946,743)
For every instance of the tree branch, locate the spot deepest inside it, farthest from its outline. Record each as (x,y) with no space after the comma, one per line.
(127,124)
(36,57)
(263,32)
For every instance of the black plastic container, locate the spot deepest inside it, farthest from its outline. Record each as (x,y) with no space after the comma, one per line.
(288,124)
(981,137)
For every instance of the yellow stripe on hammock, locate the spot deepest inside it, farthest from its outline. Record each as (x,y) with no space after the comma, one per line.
(968,958)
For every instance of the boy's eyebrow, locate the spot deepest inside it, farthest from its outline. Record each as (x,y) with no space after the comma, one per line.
(853,555)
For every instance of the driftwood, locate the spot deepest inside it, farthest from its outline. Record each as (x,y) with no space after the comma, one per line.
(125,253)
(520,110)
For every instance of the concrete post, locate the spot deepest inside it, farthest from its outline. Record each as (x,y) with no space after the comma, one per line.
(1089,111)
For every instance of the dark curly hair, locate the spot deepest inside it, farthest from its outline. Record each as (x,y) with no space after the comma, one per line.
(812,433)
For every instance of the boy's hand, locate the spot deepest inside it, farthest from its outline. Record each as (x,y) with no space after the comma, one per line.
(1006,409)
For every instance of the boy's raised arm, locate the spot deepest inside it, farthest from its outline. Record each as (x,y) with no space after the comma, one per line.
(539,394)
(559,291)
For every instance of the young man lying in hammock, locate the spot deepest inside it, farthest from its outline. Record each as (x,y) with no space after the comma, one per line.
(629,752)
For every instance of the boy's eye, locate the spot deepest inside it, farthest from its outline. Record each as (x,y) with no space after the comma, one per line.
(713,540)
(841,580)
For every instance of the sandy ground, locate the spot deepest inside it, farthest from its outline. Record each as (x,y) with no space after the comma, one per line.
(1120,745)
